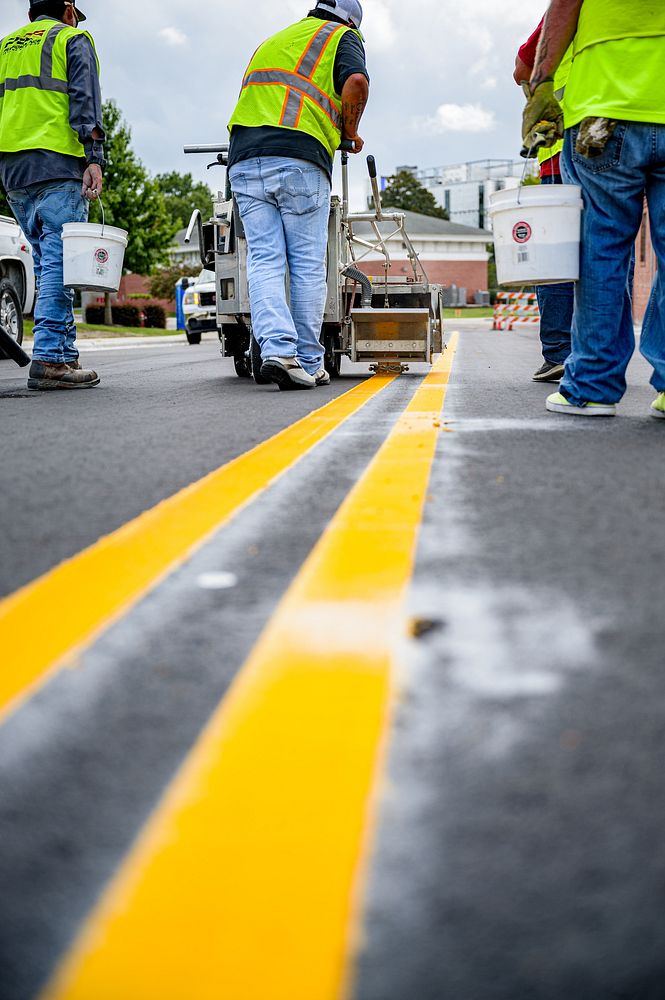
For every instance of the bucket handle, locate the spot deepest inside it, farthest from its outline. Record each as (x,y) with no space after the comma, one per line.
(101,205)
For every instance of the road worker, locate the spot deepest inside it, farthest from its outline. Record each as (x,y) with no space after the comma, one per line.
(555,302)
(304,91)
(615,150)
(51,161)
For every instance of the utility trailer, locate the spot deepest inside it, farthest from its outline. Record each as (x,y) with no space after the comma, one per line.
(383,321)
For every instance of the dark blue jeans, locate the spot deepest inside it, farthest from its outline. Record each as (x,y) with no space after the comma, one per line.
(556,303)
(613,189)
(41,211)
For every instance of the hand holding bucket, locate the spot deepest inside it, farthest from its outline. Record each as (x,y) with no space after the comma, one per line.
(93,255)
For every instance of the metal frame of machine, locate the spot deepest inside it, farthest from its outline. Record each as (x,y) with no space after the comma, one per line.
(386,322)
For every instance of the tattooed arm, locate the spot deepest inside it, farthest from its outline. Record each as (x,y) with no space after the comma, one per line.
(559,29)
(354,98)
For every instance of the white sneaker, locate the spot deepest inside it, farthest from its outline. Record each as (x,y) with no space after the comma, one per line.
(322,377)
(287,373)
(557,403)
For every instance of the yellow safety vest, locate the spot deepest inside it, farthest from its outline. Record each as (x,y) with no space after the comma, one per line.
(560,81)
(614,20)
(34,97)
(290,83)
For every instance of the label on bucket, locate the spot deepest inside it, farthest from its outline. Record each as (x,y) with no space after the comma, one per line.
(102,257)
(522,232)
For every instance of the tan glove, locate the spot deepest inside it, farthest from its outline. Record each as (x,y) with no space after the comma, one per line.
(593,136)
(542,121)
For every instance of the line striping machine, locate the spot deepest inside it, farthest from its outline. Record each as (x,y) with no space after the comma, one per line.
(385,321)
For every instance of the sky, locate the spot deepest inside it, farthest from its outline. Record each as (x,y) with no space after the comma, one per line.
(441,74)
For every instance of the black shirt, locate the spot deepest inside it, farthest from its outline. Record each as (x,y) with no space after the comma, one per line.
(270,140)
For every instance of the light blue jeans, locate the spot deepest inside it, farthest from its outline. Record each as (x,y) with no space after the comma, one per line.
(285,206)
(613,189)
(41,211)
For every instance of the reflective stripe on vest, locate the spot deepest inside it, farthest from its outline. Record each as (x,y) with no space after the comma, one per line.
(299,84)
(45,80)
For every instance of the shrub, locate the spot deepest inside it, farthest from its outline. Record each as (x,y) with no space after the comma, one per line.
(128,316)
(94,315)
(155,317)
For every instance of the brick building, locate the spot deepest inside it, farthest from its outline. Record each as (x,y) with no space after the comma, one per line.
(452,255)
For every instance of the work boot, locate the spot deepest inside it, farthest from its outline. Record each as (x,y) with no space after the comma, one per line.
(75,366)
(46,376)
(287,373)
(551,371)
(322,377)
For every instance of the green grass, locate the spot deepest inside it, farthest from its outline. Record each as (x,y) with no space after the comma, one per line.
(108,331)
(477,312)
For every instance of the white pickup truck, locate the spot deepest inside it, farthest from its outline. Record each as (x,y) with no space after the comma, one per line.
(17,278)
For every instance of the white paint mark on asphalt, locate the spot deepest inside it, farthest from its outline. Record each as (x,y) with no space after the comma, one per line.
(217,581)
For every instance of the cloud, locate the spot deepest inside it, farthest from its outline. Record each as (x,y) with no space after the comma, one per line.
(459,118)
(174,37)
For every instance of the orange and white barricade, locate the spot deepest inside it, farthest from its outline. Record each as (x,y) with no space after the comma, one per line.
(515,307)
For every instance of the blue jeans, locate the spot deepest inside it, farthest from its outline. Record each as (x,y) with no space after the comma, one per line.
(41,211)
(285,206)
(613,189)
(556,304)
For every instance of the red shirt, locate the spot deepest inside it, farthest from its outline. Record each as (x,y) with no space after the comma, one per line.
(527,53)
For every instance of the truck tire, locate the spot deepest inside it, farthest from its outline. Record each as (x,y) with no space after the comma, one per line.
(11,324)
(193,336)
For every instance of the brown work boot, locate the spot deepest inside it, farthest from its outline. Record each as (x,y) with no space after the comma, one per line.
(76,366)
(44,375)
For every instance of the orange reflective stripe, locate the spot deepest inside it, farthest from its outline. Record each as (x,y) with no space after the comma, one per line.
(283,78)
(312,55)
(292,108)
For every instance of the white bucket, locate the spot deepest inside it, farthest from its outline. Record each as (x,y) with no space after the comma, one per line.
(537,234)
(93,256)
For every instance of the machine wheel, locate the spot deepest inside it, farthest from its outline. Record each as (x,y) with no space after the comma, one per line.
(193,336)
(242,365)
(332,361)
(256,364)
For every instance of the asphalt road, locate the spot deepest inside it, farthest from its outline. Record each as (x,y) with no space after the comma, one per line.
(77,466)
(519,851)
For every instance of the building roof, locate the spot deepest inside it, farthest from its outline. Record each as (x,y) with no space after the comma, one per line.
(179,240)
(426,225)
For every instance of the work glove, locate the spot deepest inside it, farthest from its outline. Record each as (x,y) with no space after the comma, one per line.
(593,136)
(542,121)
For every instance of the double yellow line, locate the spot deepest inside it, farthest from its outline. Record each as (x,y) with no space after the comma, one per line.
(246,883)
(45,625)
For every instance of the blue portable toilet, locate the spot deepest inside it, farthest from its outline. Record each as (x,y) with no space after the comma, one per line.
(181,287)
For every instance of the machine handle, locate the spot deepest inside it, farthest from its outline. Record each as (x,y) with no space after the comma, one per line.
(347,146)
(371,166)
(215,148)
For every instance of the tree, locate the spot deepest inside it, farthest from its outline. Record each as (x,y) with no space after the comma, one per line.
(182,195)
(404,191)
(163,283)
(132,201)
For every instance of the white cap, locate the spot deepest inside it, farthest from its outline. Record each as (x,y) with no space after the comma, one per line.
(349,10)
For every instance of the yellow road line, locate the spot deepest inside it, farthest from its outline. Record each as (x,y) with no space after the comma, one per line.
(55,616)
(246,881)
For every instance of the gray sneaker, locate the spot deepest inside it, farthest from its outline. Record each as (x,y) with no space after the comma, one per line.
(550,372)
(46,376)
(287,373)
(322,377)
